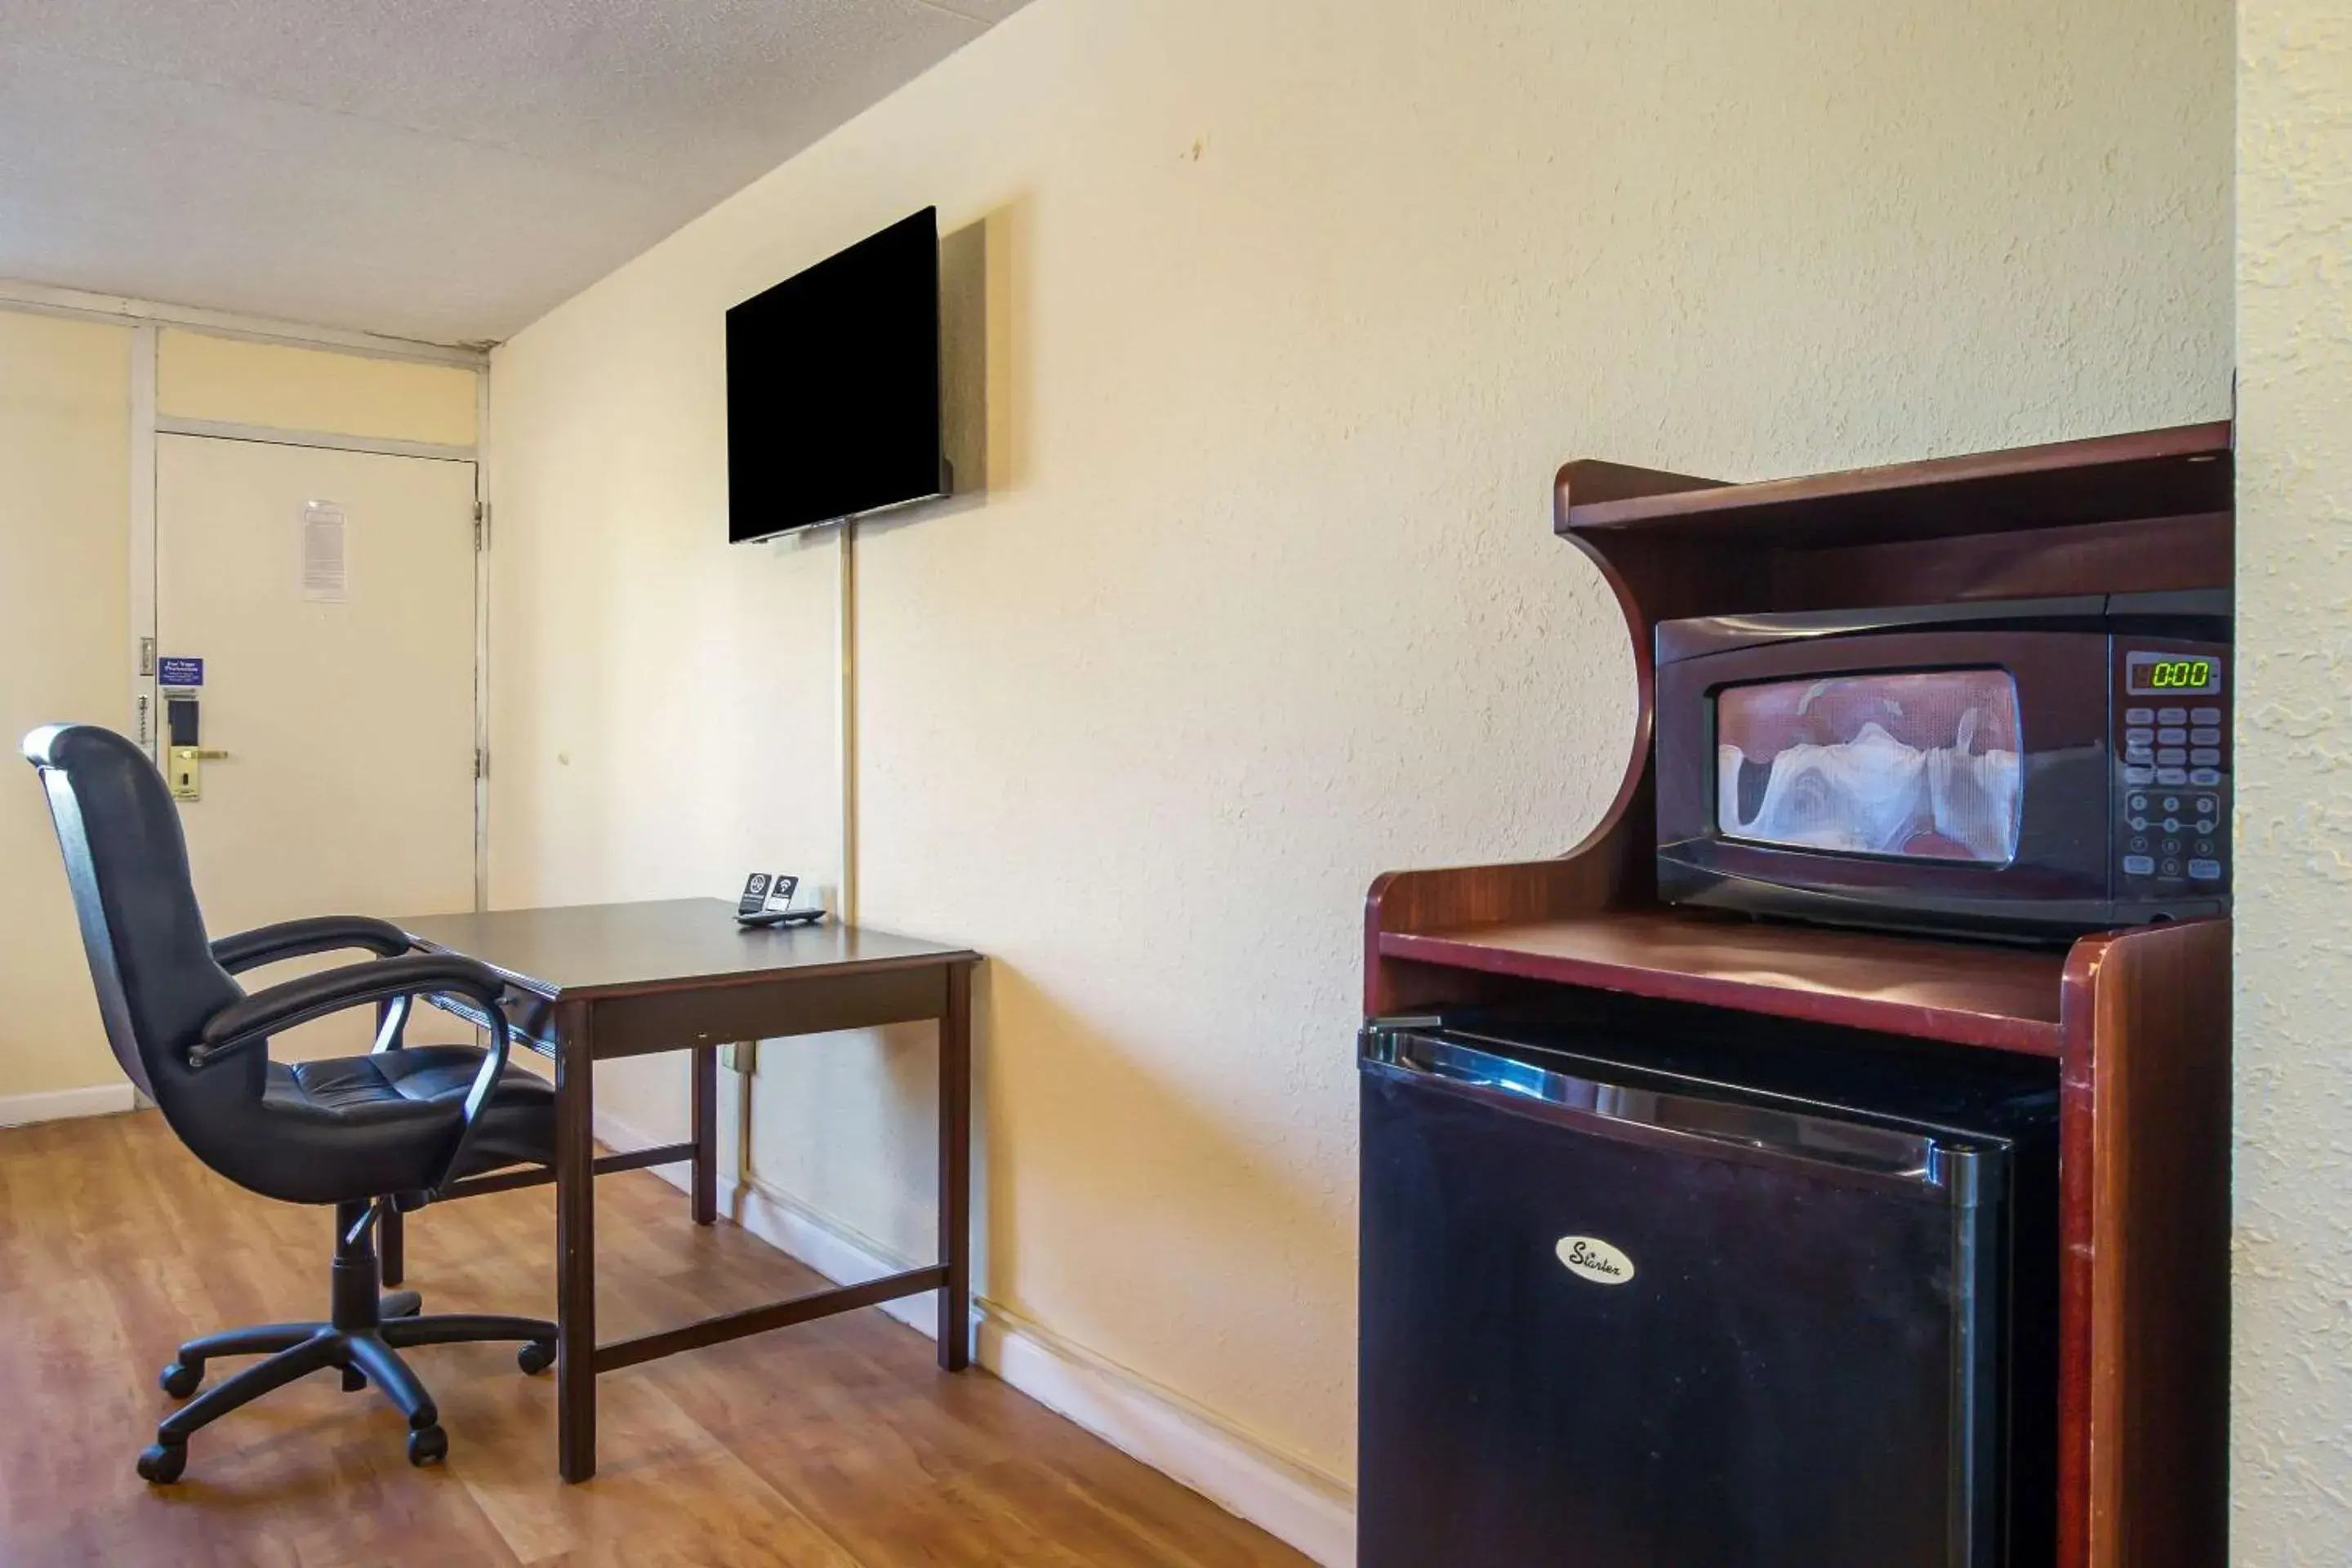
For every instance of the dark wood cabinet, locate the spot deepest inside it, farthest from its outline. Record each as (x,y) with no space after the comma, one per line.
(2138,1020)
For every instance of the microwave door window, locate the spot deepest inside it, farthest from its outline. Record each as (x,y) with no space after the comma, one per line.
(1924,764)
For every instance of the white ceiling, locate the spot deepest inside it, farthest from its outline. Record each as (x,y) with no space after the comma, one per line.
(437,169)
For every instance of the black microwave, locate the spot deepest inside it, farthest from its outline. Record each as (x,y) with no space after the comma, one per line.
(2031,768)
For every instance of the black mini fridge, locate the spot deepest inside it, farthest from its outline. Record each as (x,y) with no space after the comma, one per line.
(1666,1289)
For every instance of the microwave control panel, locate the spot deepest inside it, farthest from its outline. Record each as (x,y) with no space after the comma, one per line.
(2171,835)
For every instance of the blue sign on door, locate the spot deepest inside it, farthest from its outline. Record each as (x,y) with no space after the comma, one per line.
(179,672)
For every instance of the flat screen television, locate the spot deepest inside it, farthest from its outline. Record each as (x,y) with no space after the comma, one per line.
(833,387)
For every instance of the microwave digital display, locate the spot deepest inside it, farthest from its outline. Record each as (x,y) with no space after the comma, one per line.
(1923,764)
(2157,674)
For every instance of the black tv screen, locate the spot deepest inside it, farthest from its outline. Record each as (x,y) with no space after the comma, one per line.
(832,386)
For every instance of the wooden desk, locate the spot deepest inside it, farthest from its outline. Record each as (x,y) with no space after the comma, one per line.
(599,981)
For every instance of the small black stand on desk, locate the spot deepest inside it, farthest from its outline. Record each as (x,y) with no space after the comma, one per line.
(599,981)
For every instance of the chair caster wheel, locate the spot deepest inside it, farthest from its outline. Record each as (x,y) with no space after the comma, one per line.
(353,1379)
(182,1378)
(535,1358)
(427,1446)
(161,1464)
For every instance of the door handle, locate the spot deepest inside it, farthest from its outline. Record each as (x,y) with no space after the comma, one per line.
(185,774)
(1859,1149)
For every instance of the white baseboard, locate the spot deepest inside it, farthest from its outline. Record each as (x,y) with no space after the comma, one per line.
(59,1105)
(1174,1437)
(840,1254)
(1154,1425)
(622,1139)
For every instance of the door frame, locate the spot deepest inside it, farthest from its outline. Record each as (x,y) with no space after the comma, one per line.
(147,425)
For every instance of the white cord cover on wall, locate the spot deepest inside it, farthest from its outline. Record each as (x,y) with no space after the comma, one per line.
(845,901)
(845,733)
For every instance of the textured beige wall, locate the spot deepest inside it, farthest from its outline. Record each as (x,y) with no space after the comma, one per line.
(229,380)
(2292,1443)
(1291,312)
(65,634)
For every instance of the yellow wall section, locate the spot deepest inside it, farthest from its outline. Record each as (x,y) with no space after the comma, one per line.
(64,630)
(2292,1407)
(1290,312)
(64,457)
(228,380)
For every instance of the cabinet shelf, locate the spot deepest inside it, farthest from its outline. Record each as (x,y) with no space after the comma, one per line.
(2180,471)
(1969,994)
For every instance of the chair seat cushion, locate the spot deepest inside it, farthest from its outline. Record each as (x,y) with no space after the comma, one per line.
(359,1127)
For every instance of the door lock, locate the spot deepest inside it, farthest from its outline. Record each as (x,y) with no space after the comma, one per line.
(184,768)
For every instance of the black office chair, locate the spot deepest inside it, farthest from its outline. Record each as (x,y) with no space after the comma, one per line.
(391,1128)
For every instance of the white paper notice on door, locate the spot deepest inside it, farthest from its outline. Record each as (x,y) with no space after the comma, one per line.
(326,558)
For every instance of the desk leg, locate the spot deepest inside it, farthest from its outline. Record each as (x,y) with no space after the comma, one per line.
(705,1187)
(955,1170)
(575,1244)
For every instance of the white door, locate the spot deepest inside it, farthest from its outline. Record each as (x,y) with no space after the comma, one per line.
(346,709)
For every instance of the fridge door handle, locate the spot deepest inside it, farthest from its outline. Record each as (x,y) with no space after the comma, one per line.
(1528,1089)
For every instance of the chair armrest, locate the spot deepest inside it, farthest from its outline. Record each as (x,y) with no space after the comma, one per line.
(252,1019)
(298,939)
(305,998)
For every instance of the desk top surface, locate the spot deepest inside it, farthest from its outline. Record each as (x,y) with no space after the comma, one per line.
(592,950)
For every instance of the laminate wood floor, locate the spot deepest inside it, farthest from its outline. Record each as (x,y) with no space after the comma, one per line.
(834,1445)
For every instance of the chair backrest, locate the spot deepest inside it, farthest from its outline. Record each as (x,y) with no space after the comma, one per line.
(126,864)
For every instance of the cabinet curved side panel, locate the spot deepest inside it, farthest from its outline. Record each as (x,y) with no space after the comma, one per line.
(1612,867)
